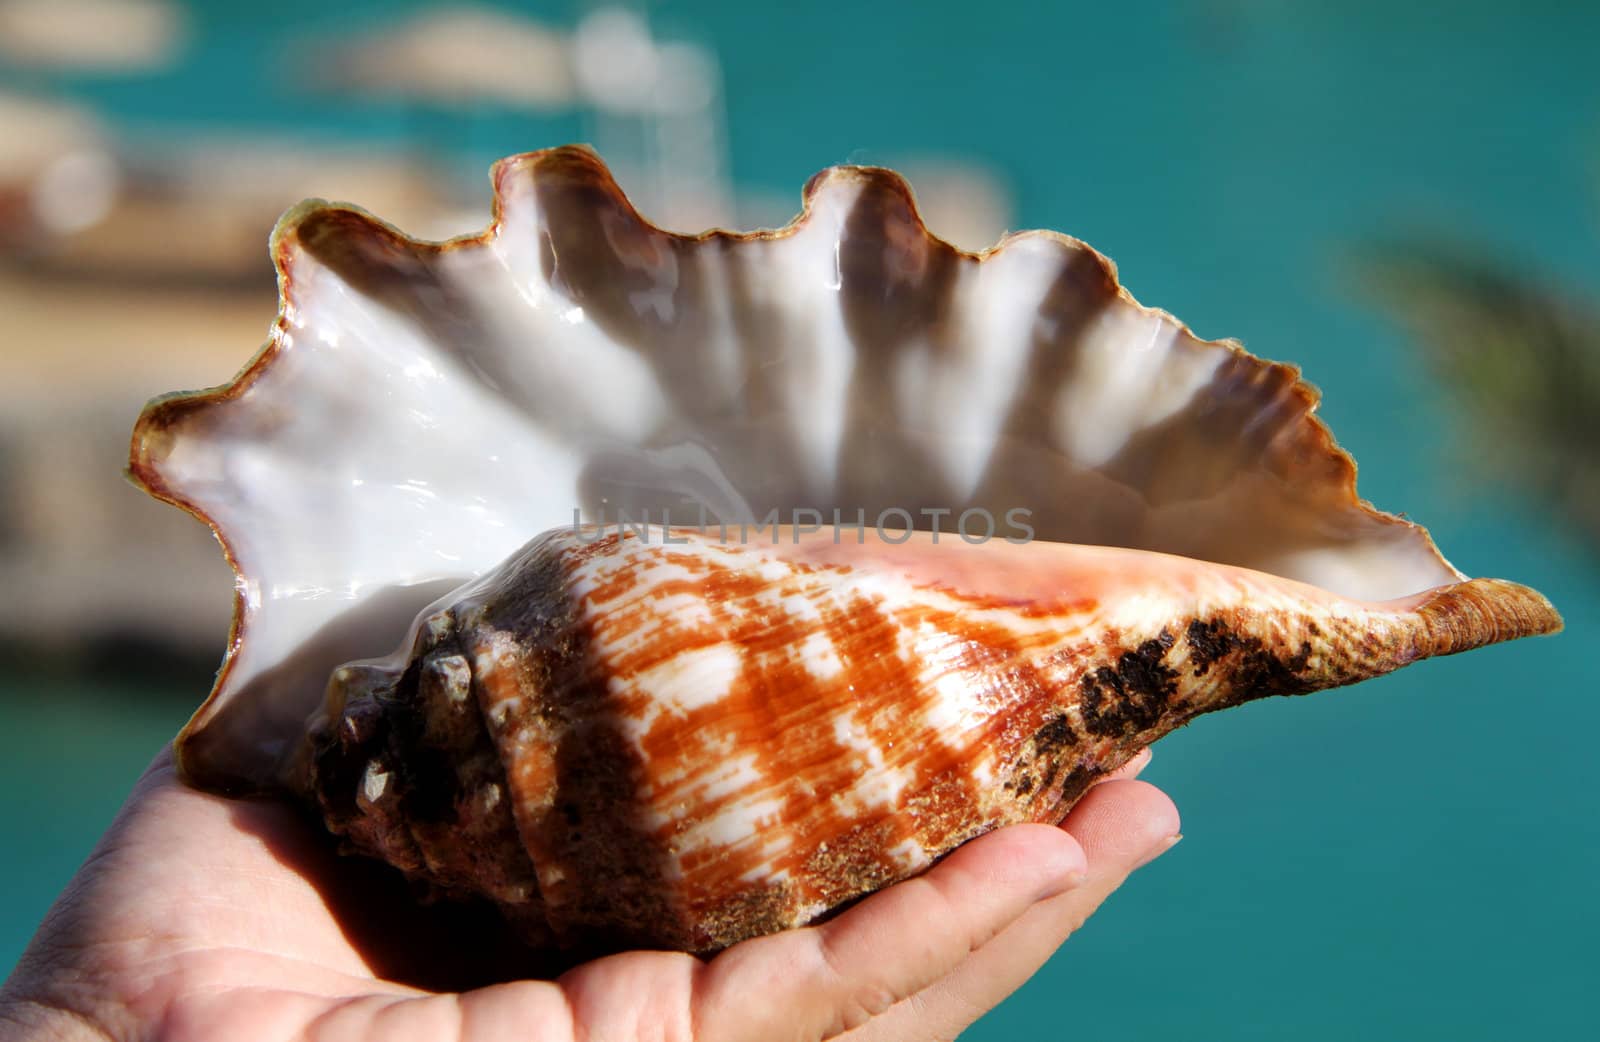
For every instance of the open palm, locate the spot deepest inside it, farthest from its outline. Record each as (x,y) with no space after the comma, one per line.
(200,918)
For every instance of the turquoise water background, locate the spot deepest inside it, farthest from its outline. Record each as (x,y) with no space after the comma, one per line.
(1412,858)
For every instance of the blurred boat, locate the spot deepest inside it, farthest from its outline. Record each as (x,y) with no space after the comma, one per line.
(95,36)
(458,55)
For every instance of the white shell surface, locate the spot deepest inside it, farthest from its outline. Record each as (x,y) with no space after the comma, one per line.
(422,410)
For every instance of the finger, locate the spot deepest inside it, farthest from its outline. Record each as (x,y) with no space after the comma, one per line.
(1120,825)
(821,981)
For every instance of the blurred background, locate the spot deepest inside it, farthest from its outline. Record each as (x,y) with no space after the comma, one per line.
(1403,198)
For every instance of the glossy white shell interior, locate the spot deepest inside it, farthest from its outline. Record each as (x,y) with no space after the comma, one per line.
(422,411)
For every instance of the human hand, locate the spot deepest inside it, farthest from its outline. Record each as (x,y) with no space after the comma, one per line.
(201,918)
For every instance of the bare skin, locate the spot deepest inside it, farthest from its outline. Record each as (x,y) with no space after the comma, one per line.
(199,918)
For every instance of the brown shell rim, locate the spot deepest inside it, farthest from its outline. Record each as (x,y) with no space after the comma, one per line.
(161,412)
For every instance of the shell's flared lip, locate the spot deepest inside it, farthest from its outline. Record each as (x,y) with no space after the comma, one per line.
(328,225)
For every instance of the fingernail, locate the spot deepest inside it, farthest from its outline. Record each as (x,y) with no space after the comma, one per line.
(1159,849)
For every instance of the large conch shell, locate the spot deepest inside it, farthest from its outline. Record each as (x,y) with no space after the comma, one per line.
(631,736)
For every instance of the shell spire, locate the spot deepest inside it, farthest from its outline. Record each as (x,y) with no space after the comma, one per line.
(706,740)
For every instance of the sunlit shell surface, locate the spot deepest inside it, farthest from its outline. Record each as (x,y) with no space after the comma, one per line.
(626,741)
